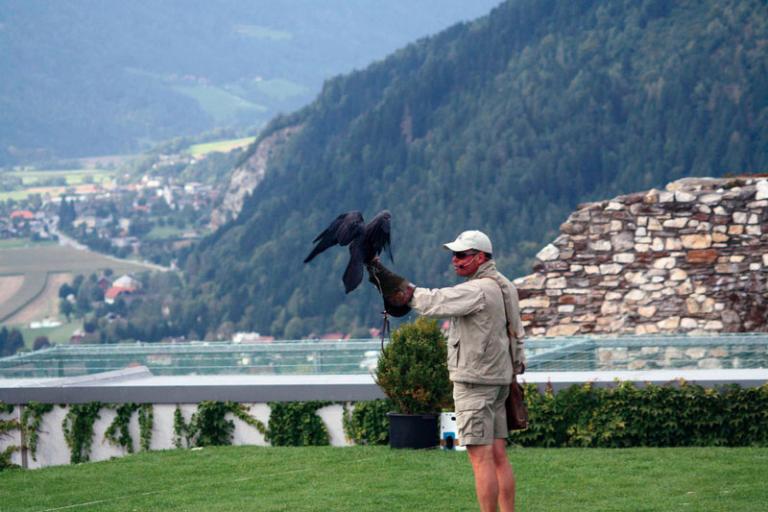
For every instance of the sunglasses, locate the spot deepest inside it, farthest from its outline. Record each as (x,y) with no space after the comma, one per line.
(463,254)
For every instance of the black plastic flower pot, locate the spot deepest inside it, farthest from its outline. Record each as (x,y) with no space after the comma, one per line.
(413,430)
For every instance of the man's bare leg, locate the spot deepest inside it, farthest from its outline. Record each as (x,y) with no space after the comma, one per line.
(486,485)
(505,477)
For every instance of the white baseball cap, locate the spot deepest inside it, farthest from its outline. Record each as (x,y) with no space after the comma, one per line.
(472,239)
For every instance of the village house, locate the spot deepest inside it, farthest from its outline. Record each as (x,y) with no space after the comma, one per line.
(22,215)
(123,286)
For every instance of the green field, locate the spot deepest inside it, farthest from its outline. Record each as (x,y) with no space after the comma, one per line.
(220,146)
(219,103)
(39,181)
(279,88)
(72,176)
(38,262)
(57,335)
(164,233)
(379,478)
(58,258)
(16,195)
(19,243)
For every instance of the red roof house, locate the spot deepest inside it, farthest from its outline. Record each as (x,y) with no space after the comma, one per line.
(22,214)
(114,292)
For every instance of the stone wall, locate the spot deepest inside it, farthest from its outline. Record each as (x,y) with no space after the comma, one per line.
(692,258)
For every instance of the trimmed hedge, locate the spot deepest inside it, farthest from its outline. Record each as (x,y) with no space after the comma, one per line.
(625,415)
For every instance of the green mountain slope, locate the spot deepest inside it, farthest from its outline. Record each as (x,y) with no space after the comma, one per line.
(504,124)
(85,77)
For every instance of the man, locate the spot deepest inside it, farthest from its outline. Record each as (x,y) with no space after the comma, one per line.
(484,320)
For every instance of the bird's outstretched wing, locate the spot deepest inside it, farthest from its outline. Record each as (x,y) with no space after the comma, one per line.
(343,230)
(377,236)
(353,274)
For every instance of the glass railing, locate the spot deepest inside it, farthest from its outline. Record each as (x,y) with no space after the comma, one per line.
(198,358)
(722,351)
(302,357)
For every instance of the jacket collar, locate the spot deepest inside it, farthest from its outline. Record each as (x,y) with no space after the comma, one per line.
(487,269)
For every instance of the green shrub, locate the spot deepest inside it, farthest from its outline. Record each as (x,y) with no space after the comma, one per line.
(625,415)
(412,369)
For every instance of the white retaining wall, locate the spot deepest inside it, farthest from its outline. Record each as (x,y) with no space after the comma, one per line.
(52,448)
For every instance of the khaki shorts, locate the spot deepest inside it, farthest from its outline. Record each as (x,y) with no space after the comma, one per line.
(480,413)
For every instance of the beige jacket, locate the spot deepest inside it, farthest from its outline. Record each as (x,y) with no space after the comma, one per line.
(479,340)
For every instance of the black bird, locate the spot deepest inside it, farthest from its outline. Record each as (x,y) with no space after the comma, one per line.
(365,241)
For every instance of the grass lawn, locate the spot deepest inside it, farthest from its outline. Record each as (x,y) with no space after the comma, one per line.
(378,478)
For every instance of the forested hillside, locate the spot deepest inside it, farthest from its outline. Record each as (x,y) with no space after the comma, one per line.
(504,124)
(90,77)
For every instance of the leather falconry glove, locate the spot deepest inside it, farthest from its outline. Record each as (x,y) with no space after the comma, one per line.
(396,290)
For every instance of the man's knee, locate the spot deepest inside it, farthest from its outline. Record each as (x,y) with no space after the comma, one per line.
(480,453)
(499,452)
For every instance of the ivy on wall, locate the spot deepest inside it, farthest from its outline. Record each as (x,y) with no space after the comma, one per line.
(120,425)
(297,424)
(31,420)
(290,424)
(7,426)
(209,425)
(78,429)
(118,432)
(367,422)
(146,421)
(180,429)
(5,458)
(586,416)
(80,418)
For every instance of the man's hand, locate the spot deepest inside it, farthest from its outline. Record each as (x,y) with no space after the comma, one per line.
(401,297)
(396,290)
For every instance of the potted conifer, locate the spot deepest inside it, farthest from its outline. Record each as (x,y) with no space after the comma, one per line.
(413,373)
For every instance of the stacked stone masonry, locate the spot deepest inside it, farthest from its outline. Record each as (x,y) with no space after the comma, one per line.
(692,258)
